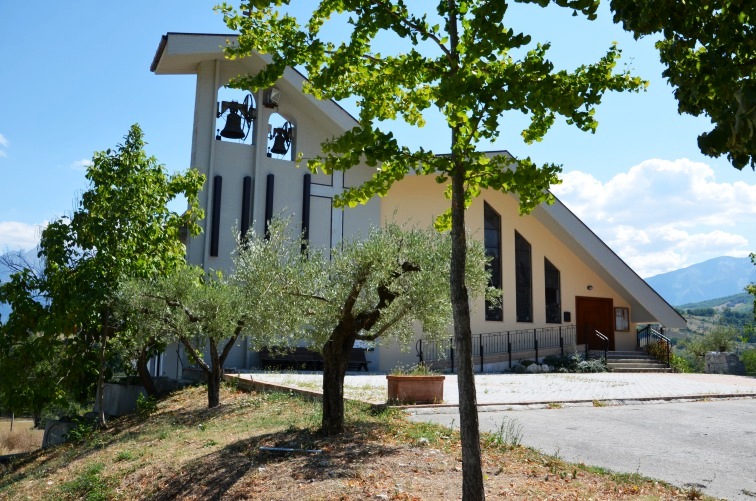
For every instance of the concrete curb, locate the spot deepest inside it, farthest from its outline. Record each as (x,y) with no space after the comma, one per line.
(251,384)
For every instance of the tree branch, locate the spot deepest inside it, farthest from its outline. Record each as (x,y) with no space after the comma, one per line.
(193,354)
(416,27)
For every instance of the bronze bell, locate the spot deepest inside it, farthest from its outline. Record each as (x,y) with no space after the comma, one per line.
(233,129)
(280,140)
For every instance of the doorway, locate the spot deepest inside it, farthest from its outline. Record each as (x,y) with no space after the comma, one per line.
(594,313)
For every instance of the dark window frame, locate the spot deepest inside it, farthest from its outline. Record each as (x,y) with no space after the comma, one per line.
(552,289)
(523,279)
(492,243)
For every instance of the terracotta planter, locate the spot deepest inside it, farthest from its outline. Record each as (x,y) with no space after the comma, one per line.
(416,389)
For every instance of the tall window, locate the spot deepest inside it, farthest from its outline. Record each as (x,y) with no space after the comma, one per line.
(553,293)
(492,242)
(523,279)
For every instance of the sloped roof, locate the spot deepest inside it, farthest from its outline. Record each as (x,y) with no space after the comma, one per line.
(646,305)
(181,53)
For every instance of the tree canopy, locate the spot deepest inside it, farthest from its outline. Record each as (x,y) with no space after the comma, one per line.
(376,288)
(121,227)
(709,50)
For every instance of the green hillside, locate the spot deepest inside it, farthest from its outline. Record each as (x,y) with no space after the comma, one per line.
(735,310)
(742,301)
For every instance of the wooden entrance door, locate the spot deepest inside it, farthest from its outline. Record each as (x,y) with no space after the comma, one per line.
(594,313)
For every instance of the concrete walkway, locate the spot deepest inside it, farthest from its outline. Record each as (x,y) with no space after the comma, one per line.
(533,389)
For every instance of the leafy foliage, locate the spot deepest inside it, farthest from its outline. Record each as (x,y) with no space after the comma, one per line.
(374,289)
(463,67)
(710,55)
(574,363)
(408,265)
(120,228)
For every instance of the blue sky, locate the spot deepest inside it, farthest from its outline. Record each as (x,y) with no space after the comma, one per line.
(75,76)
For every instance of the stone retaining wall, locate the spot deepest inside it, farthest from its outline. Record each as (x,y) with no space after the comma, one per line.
(723,363)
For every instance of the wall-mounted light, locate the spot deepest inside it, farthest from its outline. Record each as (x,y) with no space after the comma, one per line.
(281,137)
(239,118)
(590,287)
(271,97)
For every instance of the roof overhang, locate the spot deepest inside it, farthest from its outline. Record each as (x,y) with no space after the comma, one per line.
(181,54)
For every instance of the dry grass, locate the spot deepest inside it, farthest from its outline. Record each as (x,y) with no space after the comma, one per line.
(23,438)
(184,451)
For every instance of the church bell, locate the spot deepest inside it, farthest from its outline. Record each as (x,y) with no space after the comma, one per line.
(280,140)
(233,129)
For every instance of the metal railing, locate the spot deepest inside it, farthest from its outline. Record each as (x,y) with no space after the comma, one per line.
(494,345)
(655,343)
(602,338)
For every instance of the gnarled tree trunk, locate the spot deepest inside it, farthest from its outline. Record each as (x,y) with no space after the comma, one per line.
(144,374)
(335,362)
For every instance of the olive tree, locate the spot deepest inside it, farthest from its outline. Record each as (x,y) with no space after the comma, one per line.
(371,289)
(208,311)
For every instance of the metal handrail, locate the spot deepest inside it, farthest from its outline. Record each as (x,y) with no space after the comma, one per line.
(601,338)
(648,335)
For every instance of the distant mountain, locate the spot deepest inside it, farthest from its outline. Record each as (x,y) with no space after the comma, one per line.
(715,278)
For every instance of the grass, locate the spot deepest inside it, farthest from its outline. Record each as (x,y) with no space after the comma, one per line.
(23,438)
(183,450)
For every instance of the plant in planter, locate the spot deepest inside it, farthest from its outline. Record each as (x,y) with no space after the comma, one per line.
(418,385)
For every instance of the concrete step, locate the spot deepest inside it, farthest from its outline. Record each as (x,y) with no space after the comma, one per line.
(644,369)
(632,360)
(629,354)
(636,364)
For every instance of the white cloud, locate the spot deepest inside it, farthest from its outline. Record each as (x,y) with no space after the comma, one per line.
(663,215)
(81,165)
(4,144)
(19,236)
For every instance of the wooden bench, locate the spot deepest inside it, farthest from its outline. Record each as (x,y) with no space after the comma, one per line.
(357,360)
(305,359)
(285,358)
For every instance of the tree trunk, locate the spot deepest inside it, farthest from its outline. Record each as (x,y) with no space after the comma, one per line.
(335,362)
(472,472)
(37,416)
(214,378)
(144,374)
(213,386)
(101,376)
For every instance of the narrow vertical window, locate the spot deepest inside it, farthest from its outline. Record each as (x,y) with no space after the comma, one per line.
(523,279)
(553,293)
(492,242)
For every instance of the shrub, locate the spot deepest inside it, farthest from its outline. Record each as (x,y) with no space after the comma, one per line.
(19,441)
(680,364)
(597,365)
(748,358)
(658,350)
(574,363)
(145,405)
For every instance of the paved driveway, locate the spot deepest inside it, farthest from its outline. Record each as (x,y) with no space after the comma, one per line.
(709,444)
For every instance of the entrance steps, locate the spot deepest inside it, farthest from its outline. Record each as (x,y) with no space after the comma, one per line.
(634,361)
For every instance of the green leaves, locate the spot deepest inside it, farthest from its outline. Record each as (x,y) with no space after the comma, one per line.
(710,55)
(473,80)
